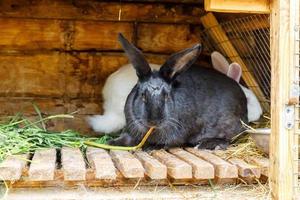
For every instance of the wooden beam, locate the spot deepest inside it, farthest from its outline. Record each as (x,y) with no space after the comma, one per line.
(210,22)
(284,17)
(238,6)
(158,12)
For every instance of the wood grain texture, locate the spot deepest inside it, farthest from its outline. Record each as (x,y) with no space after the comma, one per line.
(43,165)
(12,167)
(246,170)
(165,38)
(56,75)
(39,75)
(284,18)
(238,6)
(30,34)
(73,164)
(223,169)
(177,168)
(153,168)
(263,163)
(201,169)
(99,35)
(23,35)
(101,162)
(129,166)
(104,11)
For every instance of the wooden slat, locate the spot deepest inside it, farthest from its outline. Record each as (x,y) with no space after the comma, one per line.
(177,168)
(73,164)
(246,170)
(104,11)
(128,165)
(43,165)
(165,38)
(201,168)
(263,163)
(74,75)
(101,162)
(153,168)
(25,75)
(238,6)
(219,36)
(30,34)
(11,168)
(99,35)
(223,169)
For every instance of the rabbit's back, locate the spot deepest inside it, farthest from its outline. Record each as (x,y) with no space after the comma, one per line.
(209,102)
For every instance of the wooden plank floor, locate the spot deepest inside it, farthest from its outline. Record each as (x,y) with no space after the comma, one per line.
(98,167)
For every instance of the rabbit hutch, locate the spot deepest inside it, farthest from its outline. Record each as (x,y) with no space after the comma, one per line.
(55,57)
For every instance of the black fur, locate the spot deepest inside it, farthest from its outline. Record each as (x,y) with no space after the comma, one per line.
(188,106)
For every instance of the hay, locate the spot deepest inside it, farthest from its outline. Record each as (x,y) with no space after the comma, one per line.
(243,145)
(242,148)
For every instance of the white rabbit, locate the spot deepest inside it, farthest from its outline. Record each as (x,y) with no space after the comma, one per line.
(115,91)
(234,71)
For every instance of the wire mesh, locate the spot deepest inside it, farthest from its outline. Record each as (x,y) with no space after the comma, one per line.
(250,36)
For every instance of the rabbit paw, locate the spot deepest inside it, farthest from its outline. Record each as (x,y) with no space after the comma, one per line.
(213,144)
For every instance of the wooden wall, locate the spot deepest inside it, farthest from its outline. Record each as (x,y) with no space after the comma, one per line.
(58,53)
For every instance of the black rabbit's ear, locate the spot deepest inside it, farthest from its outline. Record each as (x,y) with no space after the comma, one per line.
(179,62)
(135,57)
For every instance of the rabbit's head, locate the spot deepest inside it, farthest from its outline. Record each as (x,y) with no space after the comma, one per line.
(153,95)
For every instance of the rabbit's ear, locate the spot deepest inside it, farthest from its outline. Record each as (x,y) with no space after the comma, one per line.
(135,57)
(179,62)
(219,62)
(235,72)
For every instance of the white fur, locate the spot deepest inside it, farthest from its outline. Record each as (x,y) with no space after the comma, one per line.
(115,91)
(253,105)
(221,64)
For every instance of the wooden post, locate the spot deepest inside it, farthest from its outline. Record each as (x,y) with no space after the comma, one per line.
(284,16)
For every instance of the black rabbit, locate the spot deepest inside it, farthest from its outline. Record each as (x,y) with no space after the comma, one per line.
(187,104)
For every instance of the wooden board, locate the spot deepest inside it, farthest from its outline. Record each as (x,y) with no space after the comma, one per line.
(223,169)
(16,35)
(12,167)
(166,38)
(73,164)
(153,168)
(104,11)
(30,34)
(238,6)
(129,166)
(201,169)
(177,168)
(43,165)
(26,75)
(101,162)
(99,35)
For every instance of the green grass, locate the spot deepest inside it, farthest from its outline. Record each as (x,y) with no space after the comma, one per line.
(20,135)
